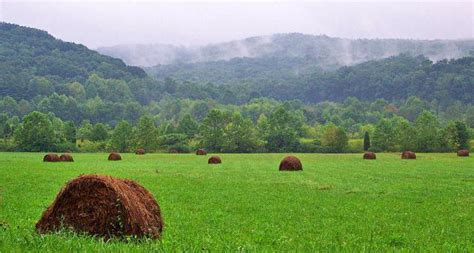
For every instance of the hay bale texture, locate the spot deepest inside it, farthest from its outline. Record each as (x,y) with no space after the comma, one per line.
(66,158)
(51,158)
(201,152)
(369,156)
(408,155)
(463,152)
(214,160)
(140,151)
(103,206)
(290,163)
(114,156)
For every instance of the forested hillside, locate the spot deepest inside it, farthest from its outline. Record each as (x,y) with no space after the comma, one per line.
(241,105)
(394,79)
(328,52)
(33,63)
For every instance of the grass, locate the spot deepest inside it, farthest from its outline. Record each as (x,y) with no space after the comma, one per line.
(338,203)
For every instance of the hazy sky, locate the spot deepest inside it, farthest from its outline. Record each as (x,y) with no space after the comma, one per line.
(187,23)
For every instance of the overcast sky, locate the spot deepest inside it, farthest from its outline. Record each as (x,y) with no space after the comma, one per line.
(193,23)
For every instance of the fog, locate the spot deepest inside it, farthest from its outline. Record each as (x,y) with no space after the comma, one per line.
(197,23)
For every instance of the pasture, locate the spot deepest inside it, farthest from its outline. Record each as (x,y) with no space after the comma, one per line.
(337,203)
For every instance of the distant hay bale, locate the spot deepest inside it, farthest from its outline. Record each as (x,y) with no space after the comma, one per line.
(140,151)
(408,155)
(51,157)
(290,163)
(173,151)
(115,156)
(66,158)
(201,152)
(463,152)
(369,156)
(103,206)
(214,160)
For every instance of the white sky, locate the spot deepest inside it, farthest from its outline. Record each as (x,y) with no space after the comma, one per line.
(107,23)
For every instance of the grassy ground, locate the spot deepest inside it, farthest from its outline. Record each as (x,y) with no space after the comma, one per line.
(338,203)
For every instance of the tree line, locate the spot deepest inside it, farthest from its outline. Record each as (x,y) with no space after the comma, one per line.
(225,131)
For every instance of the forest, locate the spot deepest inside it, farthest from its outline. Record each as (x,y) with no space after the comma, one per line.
(56,95)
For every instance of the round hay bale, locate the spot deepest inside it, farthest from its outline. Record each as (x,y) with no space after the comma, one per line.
(214,160)
(290,163)
(66,158)
(115,156)
(140,151)
(463,152)
(103,206)
(51,157)
(408,155)
(201,152)
(369,156)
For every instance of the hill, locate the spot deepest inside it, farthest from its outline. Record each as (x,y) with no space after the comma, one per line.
(33,62)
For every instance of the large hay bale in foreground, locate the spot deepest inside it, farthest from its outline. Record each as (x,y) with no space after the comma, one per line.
(369,156)
(66,158)
(214,160)
(408,155)
(201,152)
(115,156)
(51,158)
(103,206)
(290,163)
(463,152)
(140,151)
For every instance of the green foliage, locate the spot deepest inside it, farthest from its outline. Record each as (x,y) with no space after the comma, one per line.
(70,132)
(188,126)
(427,136)
(458,135)
(212,130)
(240,135)
(145,134)
(384,135)
(99,132)
(334,138)
(121,139)
(366,141)
(283,129)
(36,133)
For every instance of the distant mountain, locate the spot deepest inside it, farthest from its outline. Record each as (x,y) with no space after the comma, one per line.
(326,50)
(31,60)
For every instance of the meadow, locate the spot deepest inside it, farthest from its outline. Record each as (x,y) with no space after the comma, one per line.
(339,202)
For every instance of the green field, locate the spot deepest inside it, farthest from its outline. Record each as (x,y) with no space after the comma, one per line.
(338,203)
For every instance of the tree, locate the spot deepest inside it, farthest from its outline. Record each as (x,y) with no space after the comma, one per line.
(427,132)
(121,136)
(283,130)
(458,135)
(404,134)
(366,141)
(188,126)
(334,138)
(240,135)
(145,134)
(384,136)
(212,130)
(70,132)
(99,132)
(36,133)
(85,131)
